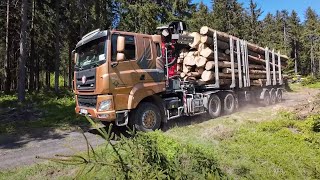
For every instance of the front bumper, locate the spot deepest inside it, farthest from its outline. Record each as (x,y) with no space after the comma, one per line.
(102,116)
(109,115)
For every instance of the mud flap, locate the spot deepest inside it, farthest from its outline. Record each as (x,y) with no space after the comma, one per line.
(122,118)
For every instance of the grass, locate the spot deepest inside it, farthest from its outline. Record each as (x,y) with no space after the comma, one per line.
(259,143)
(311,82)
(282,147)
(43,109)
(295,87)
(314,85)
(46,170)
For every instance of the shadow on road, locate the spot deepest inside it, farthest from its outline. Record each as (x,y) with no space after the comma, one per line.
(116,130)
(15,141)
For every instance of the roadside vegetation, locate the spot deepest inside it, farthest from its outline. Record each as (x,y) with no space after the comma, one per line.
(311,82)
(42,109)
(264,143)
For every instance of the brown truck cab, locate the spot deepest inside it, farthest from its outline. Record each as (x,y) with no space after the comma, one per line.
(115,71)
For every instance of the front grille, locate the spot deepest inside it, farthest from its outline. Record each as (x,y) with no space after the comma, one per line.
(87,101)
(90,79)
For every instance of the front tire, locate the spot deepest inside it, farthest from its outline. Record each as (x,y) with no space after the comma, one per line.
(147,117)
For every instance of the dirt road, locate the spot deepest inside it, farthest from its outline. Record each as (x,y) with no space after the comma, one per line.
(20,150)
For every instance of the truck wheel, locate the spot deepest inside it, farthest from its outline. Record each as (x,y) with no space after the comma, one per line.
(214,106)
(266,99)
(273,97)
(147,117)
(229,103)
(279,95)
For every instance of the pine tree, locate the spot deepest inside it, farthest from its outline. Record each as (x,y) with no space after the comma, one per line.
(200,17)
(7,74)
(220,19)
(311,34)
(268,31)
(253,31)
(228,16)
(23,53)
(294,34)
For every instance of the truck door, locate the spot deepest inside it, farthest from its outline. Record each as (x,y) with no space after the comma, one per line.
(146,63)
(122,75)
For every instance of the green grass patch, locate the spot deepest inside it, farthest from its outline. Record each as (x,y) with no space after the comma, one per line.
(273,150)
(46,170)
(281,148)
(144,156)
(311,82)
(295,87)
(254,144)
(42,109)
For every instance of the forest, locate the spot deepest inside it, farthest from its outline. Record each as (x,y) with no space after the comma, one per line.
(38,36)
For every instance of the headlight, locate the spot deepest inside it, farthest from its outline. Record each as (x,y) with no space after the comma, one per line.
(105,105)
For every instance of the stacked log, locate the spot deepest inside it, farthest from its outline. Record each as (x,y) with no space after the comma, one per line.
(198,63)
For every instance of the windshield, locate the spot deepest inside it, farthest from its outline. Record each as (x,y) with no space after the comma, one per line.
(91,54)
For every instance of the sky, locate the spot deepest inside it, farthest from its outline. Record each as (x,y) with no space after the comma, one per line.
(300,6)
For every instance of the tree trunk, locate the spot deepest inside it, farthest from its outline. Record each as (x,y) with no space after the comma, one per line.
(97,11)
(312,60)
(57,48)
(37,74)
(209,41)
(70,66)
(48,79)
(196,40)
(295,58)
(32,50)
(201,61)
(7,74)
(22,59)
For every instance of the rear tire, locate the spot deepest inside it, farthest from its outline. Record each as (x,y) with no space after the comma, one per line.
(214,106)
(266,98)
(229,103)
(147,117)
(279,95)
(273,96)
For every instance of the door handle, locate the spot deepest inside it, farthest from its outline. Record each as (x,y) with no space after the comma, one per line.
(142,77)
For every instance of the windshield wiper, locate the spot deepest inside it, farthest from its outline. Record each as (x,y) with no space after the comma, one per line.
(95,64)
(77,67)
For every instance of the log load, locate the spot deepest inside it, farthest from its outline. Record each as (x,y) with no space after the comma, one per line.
(198,63)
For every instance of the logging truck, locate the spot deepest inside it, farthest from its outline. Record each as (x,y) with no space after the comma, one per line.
(146,80)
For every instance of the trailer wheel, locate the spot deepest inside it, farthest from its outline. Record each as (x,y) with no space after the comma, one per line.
(273,97)
(229,103)
(147,117)
(214,106)
(266,98)
(279,95)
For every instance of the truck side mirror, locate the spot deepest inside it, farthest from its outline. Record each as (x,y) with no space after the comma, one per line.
(120,44)
(120,48)
(120,56)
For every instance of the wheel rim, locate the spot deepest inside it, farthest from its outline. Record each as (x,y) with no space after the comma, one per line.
(267,99)
(214,105)
(273,98)
(149,119)
(279,97)
(229,102)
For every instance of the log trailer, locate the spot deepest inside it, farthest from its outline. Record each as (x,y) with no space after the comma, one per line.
(146,80)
